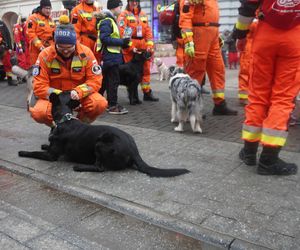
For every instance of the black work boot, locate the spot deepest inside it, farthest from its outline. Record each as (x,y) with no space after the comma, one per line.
(270,164)
(11,82)
(222,109)
(248,153)
(149,97)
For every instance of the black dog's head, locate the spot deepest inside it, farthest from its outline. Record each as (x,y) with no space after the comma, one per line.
(175,70)
(142,55)
(62,104)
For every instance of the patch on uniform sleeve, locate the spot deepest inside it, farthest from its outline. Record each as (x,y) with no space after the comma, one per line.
(35,71)
(97,69)
(121,23)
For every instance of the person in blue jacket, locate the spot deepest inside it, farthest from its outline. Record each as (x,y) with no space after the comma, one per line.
(110,44)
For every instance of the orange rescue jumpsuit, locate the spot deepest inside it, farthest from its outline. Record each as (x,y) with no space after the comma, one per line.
(141,38)
(22,45)
(245,57)
(84,22)
(202,20)
(274,72)
(80,73)
(40,31)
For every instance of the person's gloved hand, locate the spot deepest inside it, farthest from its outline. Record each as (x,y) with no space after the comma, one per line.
(74,95)
(189,49)
(126,43)
(57,91)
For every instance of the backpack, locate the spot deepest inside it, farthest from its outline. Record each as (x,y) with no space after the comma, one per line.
(170,16)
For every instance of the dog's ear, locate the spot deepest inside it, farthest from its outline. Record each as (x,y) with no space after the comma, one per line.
(72,104)
(54,98)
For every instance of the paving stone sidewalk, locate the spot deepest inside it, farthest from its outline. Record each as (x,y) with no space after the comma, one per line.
(222,202)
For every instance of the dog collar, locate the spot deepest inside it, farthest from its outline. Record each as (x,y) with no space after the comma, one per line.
(67,117)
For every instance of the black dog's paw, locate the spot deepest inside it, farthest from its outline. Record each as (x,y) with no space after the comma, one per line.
(22,153)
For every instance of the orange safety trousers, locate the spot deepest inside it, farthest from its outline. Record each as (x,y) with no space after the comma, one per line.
(180,52)
(208,58)
(244,74)
(128,55)
(274,84)
(91,106)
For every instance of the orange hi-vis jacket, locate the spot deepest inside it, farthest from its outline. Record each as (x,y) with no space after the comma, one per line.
(40,31)
(141,32)
(55,73)
(199,13)
(141,38)
(84,23)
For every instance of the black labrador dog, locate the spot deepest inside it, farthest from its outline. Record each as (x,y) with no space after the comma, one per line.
(96,148)
(131,74)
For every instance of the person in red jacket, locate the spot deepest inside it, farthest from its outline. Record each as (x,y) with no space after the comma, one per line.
(5,56)
(40,29)
(22,43)
(135,20)
(67,65)
(274,80)
(199,23)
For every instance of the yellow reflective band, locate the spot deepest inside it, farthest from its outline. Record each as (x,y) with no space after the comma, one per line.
(53,65)
(273,140)
(76,63)
(85,89)
(218,95)
(57,91)
(246,135)
(9,74)
(130,18)
(243,96)
(150,43)
(143,19)
(187,34)
(242,26)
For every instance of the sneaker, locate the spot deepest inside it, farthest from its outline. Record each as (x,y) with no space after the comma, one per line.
(117,110)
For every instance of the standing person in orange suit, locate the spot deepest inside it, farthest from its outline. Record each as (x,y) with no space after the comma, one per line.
(40,29)
(22,43)
(67,65)
(199,23)
(245,57)
(274,81)
(135,21)
(84,22)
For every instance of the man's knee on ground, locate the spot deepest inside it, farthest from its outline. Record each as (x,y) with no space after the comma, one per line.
(93,106)
(41,112)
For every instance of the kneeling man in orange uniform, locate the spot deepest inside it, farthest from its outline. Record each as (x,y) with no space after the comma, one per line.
(67,66)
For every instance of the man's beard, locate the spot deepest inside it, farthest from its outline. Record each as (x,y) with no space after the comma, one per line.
(64,57)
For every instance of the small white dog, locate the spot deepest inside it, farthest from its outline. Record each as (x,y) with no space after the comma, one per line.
(163,71)
(187,101)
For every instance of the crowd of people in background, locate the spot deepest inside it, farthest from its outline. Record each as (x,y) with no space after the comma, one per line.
(82,53)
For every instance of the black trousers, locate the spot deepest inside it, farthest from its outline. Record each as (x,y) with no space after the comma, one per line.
(110,84)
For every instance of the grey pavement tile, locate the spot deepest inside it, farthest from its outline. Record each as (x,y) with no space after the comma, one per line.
(233,227)
(19,229)
(278,241)
(3,214)
(285,222)
(50,241)
(8,243)
(194,213)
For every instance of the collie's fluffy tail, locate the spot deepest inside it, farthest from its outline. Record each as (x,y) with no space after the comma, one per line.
(143,167)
